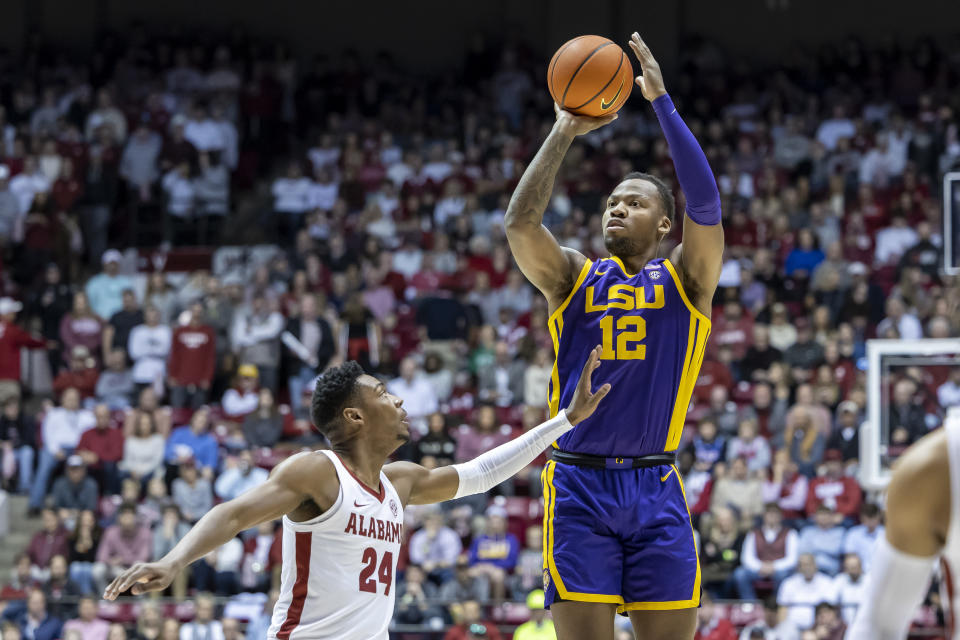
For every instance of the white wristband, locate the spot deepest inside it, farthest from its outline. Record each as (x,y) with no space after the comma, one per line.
(493,467)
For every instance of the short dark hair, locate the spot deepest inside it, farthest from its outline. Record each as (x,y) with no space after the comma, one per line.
(666,195)
(824,605)
(127,507)
(869,510)
(333,390)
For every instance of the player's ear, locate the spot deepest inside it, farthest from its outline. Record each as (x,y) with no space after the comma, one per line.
(352,417)
(663,230)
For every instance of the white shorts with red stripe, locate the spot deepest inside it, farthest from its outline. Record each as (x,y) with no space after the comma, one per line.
(337,579)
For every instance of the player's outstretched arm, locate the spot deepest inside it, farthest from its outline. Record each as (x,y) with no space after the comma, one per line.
(700,257)
(550,267)
(288,486)
(918,512)
(424,486)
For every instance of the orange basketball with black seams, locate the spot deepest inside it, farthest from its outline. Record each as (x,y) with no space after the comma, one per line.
(590,76)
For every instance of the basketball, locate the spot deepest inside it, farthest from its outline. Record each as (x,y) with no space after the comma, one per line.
(590,76)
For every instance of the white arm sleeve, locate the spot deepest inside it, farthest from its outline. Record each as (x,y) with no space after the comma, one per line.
(895,588)
(493,467)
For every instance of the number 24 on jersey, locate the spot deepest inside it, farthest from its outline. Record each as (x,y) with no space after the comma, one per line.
(384,573)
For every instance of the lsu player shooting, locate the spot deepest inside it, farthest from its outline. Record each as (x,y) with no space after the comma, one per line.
(617,534)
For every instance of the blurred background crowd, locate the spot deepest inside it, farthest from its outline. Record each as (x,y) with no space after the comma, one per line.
(191,230)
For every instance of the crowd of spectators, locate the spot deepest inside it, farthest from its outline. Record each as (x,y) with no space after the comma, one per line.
(144,395)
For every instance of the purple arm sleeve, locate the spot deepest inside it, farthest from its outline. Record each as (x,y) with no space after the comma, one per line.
(693,172)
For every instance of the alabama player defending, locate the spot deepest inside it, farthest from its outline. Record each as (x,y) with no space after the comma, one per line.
(342,509)
(617,532)
(923,525)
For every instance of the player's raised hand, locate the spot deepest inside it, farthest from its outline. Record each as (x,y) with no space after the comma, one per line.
(141,578)
(650,79)
(579,125)
(584,401)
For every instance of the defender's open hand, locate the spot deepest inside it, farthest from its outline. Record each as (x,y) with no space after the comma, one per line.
(585,402)
(141,578)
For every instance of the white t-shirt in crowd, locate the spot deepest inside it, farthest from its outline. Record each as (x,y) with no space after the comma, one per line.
(322,196)
(849,595)
(148,348)
(801,597)
(291,195)
(180,193)
(205,135)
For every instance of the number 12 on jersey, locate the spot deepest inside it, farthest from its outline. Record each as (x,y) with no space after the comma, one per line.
(385,573)
(631,331)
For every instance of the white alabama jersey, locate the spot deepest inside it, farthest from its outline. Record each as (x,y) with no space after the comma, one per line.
(950,559)
(337,579)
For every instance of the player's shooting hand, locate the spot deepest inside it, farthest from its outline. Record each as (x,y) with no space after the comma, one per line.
(584,401)
(578,125)
(650,79)
(141,578)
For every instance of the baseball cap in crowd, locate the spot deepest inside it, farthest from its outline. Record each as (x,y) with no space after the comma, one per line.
(248,371)
(4,172)
(848,405)
(833,455)
(535,599)
(75,461)
(857,269)
(111,255)
(80,352)
(9,305)
(496,511)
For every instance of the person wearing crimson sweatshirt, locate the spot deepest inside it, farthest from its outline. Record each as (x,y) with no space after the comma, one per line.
(711,625)
(12,338)
(838,492)
(193,358)
(102,449)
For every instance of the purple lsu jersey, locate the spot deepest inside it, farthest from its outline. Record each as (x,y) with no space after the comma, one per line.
(653,342)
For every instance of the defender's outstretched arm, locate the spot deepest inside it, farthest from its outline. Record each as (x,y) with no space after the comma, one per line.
(285,490)
(425,486)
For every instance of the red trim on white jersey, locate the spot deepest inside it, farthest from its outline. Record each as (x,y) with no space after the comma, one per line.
(950,620)
(376,494)
(304,545)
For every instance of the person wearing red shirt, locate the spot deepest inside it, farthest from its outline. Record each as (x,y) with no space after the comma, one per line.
(839,492)
(82,374)
(843,370)
(12,339)
(52,540)
(193,357)
(741,233)
(734,328)
(67,189)
(72,147)
(711,625)
(102,448)
(712,373)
